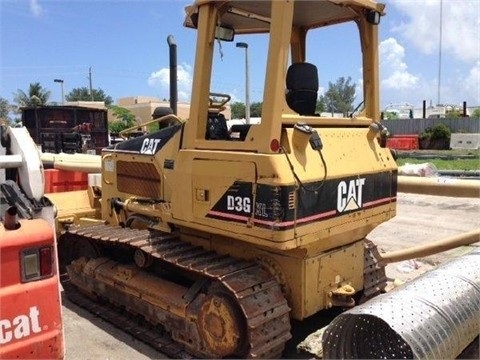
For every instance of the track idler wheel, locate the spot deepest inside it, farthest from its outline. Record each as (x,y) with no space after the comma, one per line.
(220,325)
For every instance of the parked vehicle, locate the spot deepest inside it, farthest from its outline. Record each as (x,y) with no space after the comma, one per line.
(30,303)
(218,237)
(66,128)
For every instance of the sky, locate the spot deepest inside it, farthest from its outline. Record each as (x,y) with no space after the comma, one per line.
(124,45)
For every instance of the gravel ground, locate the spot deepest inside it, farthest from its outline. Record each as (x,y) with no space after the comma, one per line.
(420,219)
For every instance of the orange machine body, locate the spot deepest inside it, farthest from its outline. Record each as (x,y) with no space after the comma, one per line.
(30,305)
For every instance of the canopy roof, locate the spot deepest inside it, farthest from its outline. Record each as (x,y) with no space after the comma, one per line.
(248,17)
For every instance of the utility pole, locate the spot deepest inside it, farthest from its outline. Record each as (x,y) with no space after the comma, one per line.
(90,81)
(440,54)
(60,81)
(247,84)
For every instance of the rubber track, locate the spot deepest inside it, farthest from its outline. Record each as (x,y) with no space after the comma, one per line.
(257,292)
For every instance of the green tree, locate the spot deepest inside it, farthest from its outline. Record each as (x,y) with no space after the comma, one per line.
(125,119)
(340,96)
(453,114)
(36,96)
(476,113)
(256,109)
(321,106)
(389,115)
(5,109)
(238,110)
(83,94)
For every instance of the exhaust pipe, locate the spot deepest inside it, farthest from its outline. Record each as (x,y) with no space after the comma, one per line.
(173,73)
(10,219)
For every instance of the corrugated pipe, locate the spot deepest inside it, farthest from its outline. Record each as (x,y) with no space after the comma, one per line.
(435,316)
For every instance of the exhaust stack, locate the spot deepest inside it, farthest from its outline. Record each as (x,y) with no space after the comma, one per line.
(10,219)
(173,73)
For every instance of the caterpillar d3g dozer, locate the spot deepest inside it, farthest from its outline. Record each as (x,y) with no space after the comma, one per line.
(221,236)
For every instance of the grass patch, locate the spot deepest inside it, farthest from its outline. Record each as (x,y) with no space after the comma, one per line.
(457,159)
(440,153)
(442,164)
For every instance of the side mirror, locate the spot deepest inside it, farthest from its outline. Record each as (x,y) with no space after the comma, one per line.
(373,17)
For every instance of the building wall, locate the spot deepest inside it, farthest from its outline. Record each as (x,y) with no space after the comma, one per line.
(88,104)
(143,106)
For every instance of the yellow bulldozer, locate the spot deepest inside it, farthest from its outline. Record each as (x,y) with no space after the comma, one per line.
(221,235)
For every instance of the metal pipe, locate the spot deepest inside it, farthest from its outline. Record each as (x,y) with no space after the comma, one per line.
(247,82)
(136,207)
(439,186)
(10,161)
(10,219)
(90,82)
(460,173)
(84,168)
(173,73)
(432,317)
(432,247)
(61,85)
(86,163)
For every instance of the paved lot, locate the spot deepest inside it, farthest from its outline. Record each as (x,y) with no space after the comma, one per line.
(90,338)
(420,218)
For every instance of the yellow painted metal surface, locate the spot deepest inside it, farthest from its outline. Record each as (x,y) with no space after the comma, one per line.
(72,207)
(306,280)
(212,174)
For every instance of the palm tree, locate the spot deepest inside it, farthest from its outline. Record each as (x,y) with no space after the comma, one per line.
(36,96)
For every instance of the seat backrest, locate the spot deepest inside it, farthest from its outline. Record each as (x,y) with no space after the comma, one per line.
(302,88)
(217,128)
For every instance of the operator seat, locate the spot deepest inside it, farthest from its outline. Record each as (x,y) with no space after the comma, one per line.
(217,128)
(160,112)
(302,88)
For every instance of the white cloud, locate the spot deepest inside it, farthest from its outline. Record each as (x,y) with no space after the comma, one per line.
(415,26)
(161,80)
(460,26)
(393,69)
(472,82)
(35,8)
